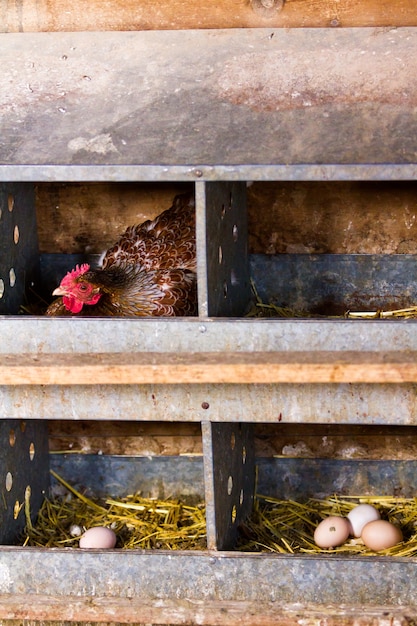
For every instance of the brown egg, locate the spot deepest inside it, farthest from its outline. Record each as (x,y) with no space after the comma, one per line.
(380,535)
(332,532)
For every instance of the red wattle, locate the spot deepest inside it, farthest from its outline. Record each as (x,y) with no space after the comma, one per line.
(71,304)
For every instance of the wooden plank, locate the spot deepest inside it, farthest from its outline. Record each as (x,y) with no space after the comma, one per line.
(335,441)
(209,367)
(322,217)
(348,217)
(248,98)
(80,218)
(125,438)
(124,610)
(61,15)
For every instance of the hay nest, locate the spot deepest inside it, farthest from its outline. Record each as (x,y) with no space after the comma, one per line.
(287,527)
(138,522)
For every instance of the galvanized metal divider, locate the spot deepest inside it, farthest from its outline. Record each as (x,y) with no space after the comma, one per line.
(25,474)
(224,291)
(19,254)
(24,457)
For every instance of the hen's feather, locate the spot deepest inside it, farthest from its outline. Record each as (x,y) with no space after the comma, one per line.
(150,271)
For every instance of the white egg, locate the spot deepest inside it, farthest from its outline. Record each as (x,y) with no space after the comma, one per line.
(360,516)
(75,530)
(98,537)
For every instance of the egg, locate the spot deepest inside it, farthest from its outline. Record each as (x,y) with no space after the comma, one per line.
(380,535)
(332,532)
(98,537)
(75,530)
(360,516)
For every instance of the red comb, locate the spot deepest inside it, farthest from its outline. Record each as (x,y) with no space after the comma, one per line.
(75,273)
(80,269)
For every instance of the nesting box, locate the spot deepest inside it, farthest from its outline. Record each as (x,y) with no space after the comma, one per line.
(251,106)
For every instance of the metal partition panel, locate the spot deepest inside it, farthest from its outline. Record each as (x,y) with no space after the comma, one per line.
(24,471)
(222,250)
(24,475)
(19,254)
(229,475)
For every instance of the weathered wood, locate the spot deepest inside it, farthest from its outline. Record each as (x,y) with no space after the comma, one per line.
(209,367)
(284,217)
(89,218)
(336,441)
(60,610)
(125,438)
(336,217)
(61,15)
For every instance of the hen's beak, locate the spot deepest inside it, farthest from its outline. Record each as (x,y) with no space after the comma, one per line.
(59,292)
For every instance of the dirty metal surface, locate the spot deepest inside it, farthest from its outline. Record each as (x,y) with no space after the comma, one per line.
(301,99)
(299,479)
(331,284)
(318,284)
(229,478)
(177,173)
(310,403)
(103,475)
(19,255)
(24,468)
(35,335)
(328,403)
(152,577)
(222,249)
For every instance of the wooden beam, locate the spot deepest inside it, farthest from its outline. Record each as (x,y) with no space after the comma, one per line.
(77,15)
(181,611)
(209,367)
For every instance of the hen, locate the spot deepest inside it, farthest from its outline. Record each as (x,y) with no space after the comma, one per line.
(150,271)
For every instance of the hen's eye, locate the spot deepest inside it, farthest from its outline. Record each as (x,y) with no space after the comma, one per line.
(82,287)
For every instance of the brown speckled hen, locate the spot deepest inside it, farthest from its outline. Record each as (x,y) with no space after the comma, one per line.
(150,271)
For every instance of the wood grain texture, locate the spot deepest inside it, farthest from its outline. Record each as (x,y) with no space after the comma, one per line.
(124,610)
(209,367)
(61,15)
(336,441)
(89,218)
(324,441)
(284,217)
(337,217)
(125,438)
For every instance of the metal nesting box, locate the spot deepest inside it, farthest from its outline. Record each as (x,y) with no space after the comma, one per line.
(224,373)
